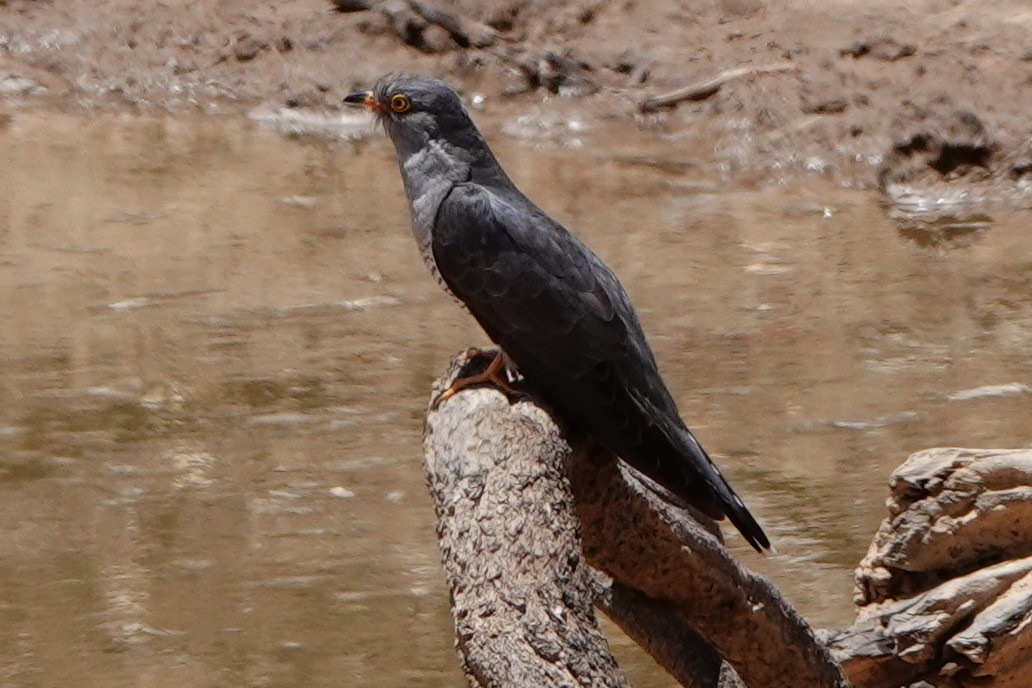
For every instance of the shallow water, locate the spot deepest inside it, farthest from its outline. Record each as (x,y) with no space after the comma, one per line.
(217,345)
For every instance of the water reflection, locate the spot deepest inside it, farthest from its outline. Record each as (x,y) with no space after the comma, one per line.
(217,345)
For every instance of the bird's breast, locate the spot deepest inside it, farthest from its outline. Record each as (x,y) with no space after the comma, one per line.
(424,239)
(429,174)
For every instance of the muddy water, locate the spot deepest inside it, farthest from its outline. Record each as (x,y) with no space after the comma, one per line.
(216,346)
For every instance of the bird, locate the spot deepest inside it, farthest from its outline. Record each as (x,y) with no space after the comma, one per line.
(564,324)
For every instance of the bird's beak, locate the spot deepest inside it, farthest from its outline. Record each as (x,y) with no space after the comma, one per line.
(363,98)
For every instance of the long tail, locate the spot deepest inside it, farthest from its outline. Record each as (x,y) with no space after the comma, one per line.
(739,515)
(726,500)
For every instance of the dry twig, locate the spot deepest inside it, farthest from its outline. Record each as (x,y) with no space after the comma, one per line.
(705,89)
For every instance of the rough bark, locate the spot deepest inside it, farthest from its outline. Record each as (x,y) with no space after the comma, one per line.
(521,594)
(946,587)
(945,590)
(510,534)
(675,645)
(950,629)
(645,543)
(951,511)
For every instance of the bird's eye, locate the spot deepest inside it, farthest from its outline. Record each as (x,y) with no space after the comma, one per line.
(400,103)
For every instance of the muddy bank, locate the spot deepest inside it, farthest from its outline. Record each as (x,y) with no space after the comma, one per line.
(865,94)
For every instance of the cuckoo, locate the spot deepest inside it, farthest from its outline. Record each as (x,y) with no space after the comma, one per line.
(563,322)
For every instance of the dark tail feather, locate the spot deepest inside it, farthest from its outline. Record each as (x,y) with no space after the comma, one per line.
(682,466)
(739,515)
(729,502)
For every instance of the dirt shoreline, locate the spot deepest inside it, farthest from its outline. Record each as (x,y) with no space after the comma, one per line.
(866,94)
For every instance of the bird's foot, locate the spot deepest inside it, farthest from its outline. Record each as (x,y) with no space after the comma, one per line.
(495,374)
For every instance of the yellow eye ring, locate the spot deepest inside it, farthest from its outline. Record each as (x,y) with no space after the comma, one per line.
(400,103)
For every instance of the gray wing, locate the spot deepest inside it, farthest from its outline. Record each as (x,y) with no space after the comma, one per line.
(562,316)
(540,294)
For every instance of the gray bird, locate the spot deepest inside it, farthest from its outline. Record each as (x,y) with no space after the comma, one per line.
(559,315)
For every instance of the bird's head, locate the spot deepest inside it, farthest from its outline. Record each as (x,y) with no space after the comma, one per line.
(416,110)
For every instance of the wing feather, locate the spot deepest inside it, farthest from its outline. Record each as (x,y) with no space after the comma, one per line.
(562,316)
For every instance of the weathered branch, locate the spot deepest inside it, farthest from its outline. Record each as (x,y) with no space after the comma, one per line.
(509,537)
(649,545)
(704,89)
(464,31)
(951,511)
(521,594)
(675,645)
(431,28)
(410,20)
(946,588)
(918,636)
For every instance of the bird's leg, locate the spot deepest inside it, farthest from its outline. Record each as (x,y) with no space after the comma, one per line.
(495,374)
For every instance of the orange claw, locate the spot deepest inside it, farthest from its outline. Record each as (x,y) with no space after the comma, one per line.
(494,375)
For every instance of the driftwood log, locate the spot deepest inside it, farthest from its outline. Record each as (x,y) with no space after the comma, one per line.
(945,591)
(521,544)
(434,27)
(537,530)
(413,22)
